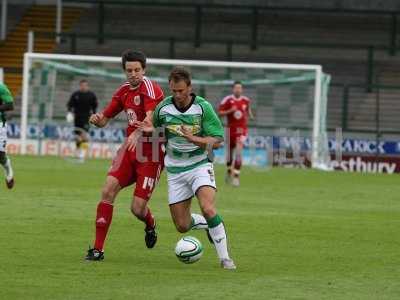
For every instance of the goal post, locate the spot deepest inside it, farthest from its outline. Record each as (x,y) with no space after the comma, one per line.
(286,94)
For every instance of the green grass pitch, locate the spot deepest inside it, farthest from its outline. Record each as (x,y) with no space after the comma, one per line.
(294,234)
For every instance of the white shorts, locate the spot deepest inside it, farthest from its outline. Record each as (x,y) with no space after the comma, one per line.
(3,137)
(183,186)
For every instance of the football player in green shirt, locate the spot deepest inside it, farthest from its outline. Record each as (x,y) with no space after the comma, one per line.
(6,104)
(192,129)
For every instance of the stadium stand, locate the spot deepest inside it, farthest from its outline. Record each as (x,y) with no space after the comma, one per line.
(282,36)
(37,18)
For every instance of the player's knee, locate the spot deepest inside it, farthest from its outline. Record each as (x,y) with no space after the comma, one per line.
(108,194)
(209,212)
(138,209)
(182,226)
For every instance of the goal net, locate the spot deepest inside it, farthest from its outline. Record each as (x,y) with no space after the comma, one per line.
(286,98)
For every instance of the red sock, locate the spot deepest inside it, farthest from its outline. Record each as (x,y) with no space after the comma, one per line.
(149,219)
(238,163)
(103,221)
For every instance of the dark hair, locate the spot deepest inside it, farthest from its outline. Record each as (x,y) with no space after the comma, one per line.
(236,82)
(83,81)
(180,73)
(129,55)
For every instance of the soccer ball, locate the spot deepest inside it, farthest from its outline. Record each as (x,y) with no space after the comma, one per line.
(188,249)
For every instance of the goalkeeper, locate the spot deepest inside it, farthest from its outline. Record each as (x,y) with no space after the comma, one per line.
(81,105)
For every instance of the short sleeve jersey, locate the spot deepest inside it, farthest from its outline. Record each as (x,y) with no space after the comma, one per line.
(240,116)
(200,118)
(5,97)
(135,102)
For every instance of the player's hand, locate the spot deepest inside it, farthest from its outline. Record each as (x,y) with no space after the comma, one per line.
(217,145)
(97,120)
(187,133)
(231,110)
(145,125)
(69,117)
(133,139)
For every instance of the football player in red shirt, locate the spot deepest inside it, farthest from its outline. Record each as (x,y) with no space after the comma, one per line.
(137,98)
(236,108)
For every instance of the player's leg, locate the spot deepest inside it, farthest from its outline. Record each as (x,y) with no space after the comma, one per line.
(84,146)
(140,209)
(179,198)
(230,147)
(4,159)
(205,188)
(148,175)
(180,213)
(6,163)
(229,160)
(78,142)
(104,214)
(206,196)
(120,175)
(81,140)
(238,161)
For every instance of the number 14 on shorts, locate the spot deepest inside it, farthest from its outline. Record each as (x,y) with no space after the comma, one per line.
(148,183)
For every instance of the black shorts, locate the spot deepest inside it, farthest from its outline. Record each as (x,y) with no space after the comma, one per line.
(81,127)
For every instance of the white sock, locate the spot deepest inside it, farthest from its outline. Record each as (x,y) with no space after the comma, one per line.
(8,169)
(199,222)
(81,154)
(218,235)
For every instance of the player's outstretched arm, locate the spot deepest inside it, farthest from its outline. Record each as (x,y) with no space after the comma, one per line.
(98,120)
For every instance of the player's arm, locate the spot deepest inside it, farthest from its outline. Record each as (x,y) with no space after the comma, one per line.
(250,112)
(148,125)
(225,109)
(224,113)
(213,132)
(150,103)
(101,119)
(152,96)
(204,142)
(7,101)
(142,126)
(71,103)
(70,109)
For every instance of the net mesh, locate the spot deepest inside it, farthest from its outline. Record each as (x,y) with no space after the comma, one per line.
(280,98)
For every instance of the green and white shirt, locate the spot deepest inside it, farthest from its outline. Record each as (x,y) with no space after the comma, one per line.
(5,97)
(200,118)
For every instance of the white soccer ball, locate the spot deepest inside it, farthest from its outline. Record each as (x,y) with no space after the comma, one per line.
(188,249)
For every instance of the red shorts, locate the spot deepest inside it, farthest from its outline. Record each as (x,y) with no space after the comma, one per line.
(237,135)
(128,168)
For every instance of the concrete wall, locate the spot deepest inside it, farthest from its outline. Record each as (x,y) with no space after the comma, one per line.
(387,5)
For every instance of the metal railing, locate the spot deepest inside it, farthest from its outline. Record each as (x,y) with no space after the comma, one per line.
(199,11)
(173,42)
(371,87)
